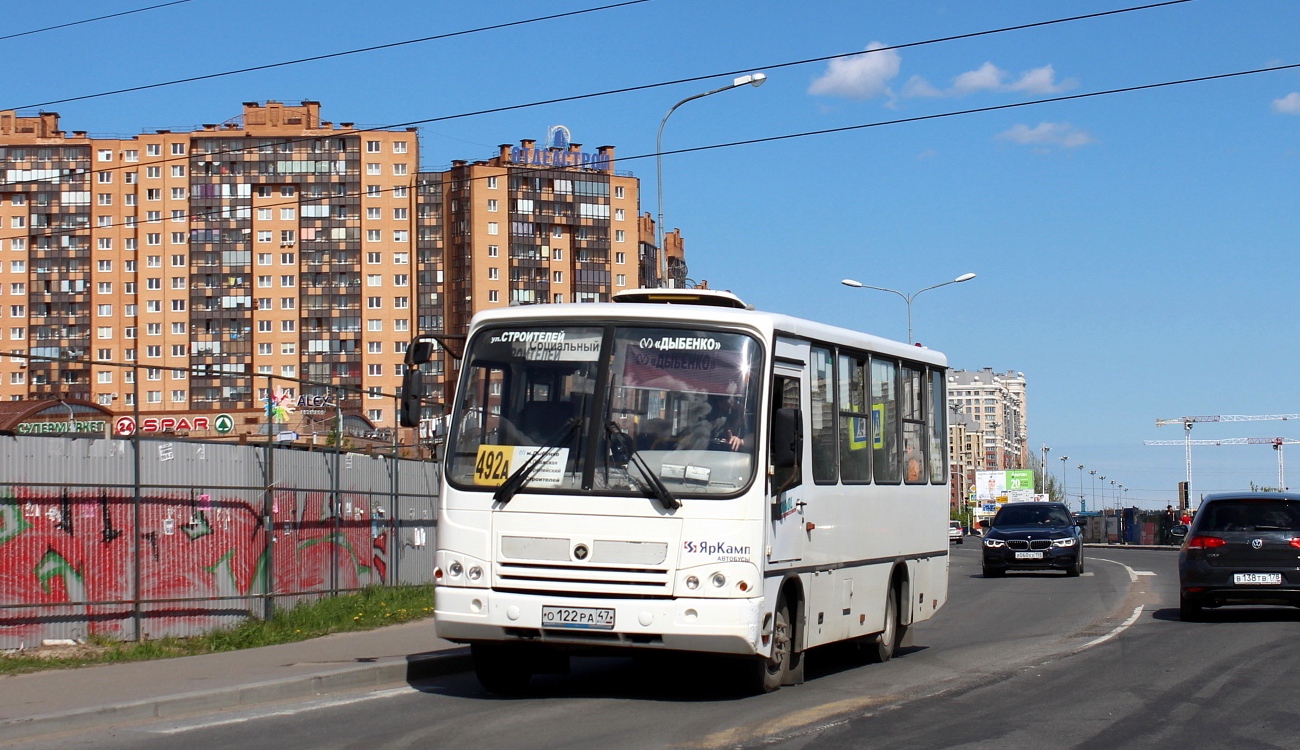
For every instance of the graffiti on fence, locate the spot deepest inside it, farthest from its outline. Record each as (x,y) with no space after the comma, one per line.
(69,553)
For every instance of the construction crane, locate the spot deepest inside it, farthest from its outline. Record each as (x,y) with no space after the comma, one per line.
(1277,444)
(1187,422)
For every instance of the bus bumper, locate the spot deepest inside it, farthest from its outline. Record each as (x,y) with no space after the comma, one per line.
(728,626)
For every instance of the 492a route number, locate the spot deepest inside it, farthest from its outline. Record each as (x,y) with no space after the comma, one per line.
(492,464)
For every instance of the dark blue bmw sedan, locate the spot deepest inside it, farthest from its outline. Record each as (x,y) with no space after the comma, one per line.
(1032,536)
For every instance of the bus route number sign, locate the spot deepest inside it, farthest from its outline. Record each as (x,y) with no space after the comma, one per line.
(492,465)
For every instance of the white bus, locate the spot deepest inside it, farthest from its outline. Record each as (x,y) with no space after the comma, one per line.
(693,476)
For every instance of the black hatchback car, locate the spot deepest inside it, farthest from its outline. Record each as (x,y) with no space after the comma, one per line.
(1241,548)
(1032,536)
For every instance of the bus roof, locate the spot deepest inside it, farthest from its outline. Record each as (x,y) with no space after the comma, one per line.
(768,324)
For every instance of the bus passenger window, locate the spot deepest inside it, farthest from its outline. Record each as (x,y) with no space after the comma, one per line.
(915,470)
(885,459)
(824,450)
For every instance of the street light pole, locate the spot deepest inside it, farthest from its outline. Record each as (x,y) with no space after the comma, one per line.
(1065,498)
(1093,472)
(753,79)
(1083,502)
(1045,450)
(907,297)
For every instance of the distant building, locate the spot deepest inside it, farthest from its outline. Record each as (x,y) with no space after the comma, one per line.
(995,404)
(278,245)
(965,457)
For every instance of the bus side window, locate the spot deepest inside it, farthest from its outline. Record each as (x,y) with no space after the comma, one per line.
(785,394)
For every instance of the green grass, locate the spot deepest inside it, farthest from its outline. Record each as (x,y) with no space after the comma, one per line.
(370,608)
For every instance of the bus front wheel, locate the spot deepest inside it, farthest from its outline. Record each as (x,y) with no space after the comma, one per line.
(767,674)
(500,668)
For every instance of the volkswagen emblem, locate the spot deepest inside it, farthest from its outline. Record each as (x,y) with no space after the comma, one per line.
(1256,543)
(580,552)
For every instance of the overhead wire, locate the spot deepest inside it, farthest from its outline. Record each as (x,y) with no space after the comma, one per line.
(92,20)
(787,136)
(643,87)
(332,55)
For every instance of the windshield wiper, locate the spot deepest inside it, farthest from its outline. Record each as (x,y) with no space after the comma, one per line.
(515,482)
(657,487)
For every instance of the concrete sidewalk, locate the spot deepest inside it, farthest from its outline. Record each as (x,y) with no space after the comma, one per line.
(63,700)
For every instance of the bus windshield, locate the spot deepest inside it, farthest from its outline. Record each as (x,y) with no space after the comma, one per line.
(637,410)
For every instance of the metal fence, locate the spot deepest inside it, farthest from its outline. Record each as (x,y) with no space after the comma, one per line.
(1128,526)
(145,537)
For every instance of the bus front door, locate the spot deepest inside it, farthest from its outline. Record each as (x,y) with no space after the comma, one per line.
(789,531)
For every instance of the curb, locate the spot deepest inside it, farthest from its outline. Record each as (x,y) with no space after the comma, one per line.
(415,667)
(1098,545)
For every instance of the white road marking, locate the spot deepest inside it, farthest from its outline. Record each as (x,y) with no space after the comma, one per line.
(1137,612)
(1132,574)
(1145,573)
(287,711)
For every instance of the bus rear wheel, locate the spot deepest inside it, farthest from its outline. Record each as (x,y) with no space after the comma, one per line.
(882,648)
(767,674)
(500,668)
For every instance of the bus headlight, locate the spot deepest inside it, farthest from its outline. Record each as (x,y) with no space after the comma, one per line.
(692,583)
(459,570)
(455,569)
(475,573)
(718,580)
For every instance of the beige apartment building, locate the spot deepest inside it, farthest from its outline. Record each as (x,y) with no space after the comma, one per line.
(230,261)
(995,406)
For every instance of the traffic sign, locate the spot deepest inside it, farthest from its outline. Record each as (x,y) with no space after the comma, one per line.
(223,424)
(124,426)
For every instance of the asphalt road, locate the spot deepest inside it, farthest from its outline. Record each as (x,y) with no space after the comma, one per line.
(1029,660)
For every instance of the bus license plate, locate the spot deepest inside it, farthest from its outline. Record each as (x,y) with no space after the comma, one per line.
(582,618)
(1257,578)
(1029,555)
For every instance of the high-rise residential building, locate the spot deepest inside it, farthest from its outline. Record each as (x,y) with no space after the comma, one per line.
(278,245)
(995,403)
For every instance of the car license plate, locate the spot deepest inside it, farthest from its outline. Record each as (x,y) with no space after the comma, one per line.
(582,618)
(1257,579)
(1029,555)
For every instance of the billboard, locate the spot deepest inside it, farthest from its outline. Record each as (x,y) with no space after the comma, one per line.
(1001,486)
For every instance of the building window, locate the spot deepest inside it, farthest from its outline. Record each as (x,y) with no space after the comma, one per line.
(264,349)
(492,205)
(287,326)
(493,228)
(153,305)
(400,279)
(618,214)
(399,214)
(178,149)
(263,259)
(399,147)
(401,235)
(372,168)
(374,279)
(401,303)
(374,347)
(620,258)
(153,238)
(493,251)
(492,295)
(287,281)
(375,370)
(178,261)
(491,183)
(372,147)
(286,259)
(178,194)
(618,192)
(399,170)
(400,259)
(493,273)
(558,277)
(373,258)
(374,235)
(401,324)
(131,155)
(620,235)
(287,348)
(287,303)
(376,213)
(178,350)
(178,170)
(105,178)
(374,303)
(373,191)
(103,311)
(263,235)
(620,279)
(374,324)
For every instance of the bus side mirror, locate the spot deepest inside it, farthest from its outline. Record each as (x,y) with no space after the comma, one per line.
(1179,531)
(787,437)
(412,389)
(421,350)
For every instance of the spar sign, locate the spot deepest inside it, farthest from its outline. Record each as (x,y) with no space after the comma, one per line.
(127,426)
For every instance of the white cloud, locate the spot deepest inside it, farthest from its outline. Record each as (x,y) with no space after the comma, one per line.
(1047,134)
(917,86)
(1040,81)
(986,76)
(989,77)
(859,77)
(1288,105)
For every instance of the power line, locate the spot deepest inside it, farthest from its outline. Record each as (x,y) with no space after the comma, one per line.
(643,87)
(331,55)
(791,136)
(91,20)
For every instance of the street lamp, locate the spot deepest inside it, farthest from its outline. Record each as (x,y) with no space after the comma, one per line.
(1093,472)
(1083,502)
(1064,497)
(753,79)
(907,297)
(1045,451)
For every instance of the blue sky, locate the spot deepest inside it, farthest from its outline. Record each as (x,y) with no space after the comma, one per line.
(1136,253)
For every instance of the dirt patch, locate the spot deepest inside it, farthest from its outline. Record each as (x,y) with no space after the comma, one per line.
(78,651)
